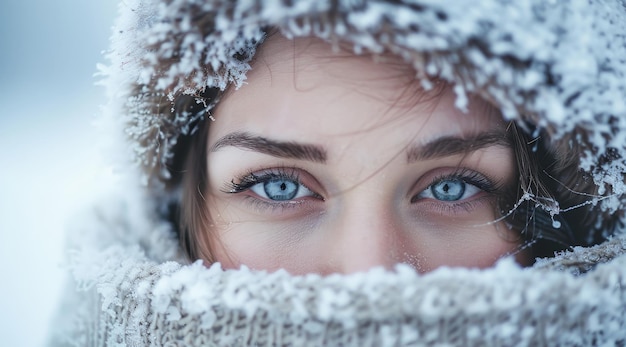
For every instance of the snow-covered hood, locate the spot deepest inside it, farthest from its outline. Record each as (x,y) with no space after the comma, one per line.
(556,64)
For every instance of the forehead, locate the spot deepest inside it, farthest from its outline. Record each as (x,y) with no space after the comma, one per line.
(310,62)
(305,88)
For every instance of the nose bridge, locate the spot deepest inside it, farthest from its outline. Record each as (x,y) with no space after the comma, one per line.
(366,234)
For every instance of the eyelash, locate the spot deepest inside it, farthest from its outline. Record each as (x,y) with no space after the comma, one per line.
(248,180)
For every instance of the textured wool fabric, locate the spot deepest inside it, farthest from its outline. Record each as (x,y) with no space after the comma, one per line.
(558,65)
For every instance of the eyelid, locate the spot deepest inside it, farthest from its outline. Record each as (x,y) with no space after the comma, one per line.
(456,207)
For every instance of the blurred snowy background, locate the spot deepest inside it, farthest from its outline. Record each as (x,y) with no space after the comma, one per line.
(48,160)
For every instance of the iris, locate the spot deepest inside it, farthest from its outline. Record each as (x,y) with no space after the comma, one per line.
(280,189)
(448,190)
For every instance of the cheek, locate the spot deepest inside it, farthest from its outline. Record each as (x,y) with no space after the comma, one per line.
(268,246)
(257,251)
(473,241)
(458,245)
(235,249)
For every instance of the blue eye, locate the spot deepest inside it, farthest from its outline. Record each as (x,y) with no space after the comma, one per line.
(451,189)
(280,189)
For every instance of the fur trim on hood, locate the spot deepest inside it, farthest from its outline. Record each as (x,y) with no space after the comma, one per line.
(557,68)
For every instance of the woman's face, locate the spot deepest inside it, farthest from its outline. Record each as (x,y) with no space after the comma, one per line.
(328,162)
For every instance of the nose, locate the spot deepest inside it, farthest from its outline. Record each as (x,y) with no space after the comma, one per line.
(363,237)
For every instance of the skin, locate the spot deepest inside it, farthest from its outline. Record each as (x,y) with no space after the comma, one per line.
(364,126)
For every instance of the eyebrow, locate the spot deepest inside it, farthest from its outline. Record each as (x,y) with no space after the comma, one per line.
(452,145)
(288,149)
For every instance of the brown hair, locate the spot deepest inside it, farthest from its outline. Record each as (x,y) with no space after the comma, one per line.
(195,222)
